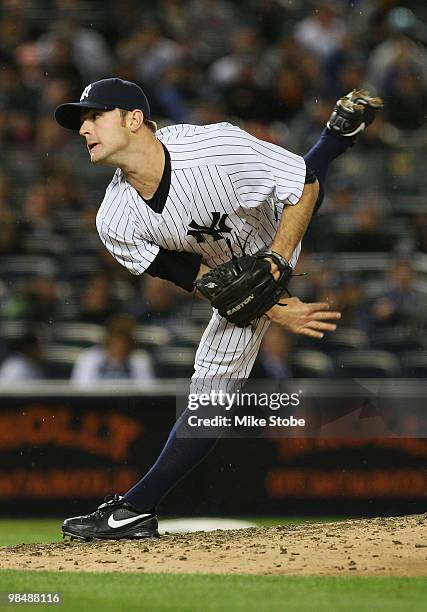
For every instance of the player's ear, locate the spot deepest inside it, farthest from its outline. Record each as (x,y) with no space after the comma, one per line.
(136,120)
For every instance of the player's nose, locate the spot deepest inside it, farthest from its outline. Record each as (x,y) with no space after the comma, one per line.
(84,128)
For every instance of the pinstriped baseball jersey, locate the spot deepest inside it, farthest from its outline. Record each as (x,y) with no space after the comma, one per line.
(226,187)
(225,183)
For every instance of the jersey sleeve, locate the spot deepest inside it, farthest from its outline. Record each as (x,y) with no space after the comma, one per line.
(139,256)
(130,250)
(270,172)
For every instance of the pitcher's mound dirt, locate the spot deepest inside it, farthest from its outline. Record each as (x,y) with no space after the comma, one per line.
(380,546)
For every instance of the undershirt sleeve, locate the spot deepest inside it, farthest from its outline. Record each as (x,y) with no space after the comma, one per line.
(310,177)
(179,267)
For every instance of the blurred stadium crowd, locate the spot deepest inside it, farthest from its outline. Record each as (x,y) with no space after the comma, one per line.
(275,67)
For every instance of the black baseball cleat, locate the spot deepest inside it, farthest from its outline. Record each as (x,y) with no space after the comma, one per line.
(353,113)
(115,519)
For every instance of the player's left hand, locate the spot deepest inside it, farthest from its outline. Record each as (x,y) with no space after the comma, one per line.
(307,319)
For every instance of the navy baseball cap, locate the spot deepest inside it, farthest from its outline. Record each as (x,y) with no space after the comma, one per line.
(106,94)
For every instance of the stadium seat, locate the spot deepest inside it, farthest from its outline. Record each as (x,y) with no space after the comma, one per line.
(366,364)
(78,333)
(60,360)
(420,263)
(362,262)
(414,364)
(395,339)
(345,338)
(374,286)
(54,246)
(187,334)
(174,362)
(200,311)
(152,336)
(12,330)
(81,266)
(306,363)
(25,266)
(88,244)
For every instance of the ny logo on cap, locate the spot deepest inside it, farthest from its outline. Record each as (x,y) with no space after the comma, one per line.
(85,93)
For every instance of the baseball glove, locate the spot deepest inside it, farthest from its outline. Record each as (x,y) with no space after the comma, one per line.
(243,288)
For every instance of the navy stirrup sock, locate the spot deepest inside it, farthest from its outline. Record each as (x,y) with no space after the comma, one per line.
(326,149)
(177,458)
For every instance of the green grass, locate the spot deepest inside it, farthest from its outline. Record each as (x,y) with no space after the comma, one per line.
(28,531)
(192,593)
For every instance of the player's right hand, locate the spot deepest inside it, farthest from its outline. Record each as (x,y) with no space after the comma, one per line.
(307,319)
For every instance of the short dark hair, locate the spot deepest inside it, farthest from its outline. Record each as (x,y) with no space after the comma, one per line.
(151,125)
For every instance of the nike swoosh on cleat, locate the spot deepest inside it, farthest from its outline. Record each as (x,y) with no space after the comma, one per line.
(115,524)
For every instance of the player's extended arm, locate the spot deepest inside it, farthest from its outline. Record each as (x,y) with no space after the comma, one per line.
(294,222)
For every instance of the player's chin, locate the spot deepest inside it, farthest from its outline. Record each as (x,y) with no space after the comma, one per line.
(97,157)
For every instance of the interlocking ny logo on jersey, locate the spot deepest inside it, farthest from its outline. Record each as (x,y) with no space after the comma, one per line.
(216,229)
(85,93)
